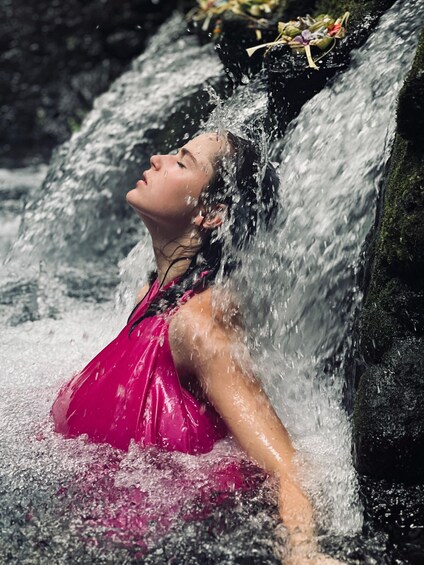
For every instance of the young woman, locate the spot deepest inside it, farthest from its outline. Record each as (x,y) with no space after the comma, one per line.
(178,375)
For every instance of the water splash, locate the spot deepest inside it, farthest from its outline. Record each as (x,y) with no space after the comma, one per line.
(299,283)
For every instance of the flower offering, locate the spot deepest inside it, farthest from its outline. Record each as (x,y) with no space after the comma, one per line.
(305,33)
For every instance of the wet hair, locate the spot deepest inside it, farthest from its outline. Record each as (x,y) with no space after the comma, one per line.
(249,189)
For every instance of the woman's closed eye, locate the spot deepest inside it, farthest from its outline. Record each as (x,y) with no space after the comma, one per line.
(181,165)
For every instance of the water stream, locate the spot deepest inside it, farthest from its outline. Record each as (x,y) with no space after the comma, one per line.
(59,496)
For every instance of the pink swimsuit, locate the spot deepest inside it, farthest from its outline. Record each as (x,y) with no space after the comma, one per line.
(131,391)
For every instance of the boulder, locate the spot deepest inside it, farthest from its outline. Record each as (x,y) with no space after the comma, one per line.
(291,82)
(389,414)
(389,407)
(55,59)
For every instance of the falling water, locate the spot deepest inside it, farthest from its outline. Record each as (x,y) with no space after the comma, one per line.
(299,284)
(332,162)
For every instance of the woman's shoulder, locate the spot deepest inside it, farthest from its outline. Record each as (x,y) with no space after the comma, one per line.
(213,307)
(204,328)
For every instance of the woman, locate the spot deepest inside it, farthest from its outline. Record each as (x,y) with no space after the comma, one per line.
(178,375)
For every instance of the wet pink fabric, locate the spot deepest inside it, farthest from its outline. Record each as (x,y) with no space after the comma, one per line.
(131,391)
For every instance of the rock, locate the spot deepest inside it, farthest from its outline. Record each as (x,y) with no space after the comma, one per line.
(237,33)
(15,188)
(398,510)
(55,59)
(22,295)
(17,184)
(291,82)
(389,414)
(389,409)
(411,103)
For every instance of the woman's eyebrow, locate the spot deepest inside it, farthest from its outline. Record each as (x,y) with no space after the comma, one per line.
(185,151)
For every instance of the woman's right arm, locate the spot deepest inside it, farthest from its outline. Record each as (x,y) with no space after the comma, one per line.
(221,363)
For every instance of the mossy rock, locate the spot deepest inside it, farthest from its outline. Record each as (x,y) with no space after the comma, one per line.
(389,411)
(392,310)
(389,415)
(401,243)
(357,8)
(411,102)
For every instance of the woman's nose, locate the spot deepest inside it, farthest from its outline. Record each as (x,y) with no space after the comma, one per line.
(155,161)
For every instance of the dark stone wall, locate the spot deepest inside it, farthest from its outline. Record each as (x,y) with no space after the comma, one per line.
(389,409)
(56,57)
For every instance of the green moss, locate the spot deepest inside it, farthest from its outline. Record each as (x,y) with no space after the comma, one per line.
(75,122)
(333,7)
(394,305)
(294,8)
(411,100)
(401,240)
(358,8)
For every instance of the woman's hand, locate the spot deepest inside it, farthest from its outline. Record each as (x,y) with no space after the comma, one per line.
(300,556)
(297,516)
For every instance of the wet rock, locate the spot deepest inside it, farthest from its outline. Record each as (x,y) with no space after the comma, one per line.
(232,534)
(389,414)
(15,188)
(22,297)
(55,59)
(91,285)
(291,82)
(398,510)
(411,105)
(16,185)
(389,410)
(237,33)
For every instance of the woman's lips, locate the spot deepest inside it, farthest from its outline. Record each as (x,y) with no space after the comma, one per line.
(142,181)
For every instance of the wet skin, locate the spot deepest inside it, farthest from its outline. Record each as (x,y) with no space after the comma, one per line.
(168,194)
(204,335)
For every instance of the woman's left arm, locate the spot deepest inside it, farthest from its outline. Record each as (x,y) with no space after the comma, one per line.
(214,352)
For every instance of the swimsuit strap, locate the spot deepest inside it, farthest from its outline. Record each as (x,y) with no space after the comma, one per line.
(149,295)
(188,294)
(154,290)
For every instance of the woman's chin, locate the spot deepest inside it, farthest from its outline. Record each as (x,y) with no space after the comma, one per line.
(134,200)
(133,197)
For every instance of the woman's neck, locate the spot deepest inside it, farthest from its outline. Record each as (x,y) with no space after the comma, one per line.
(174,256)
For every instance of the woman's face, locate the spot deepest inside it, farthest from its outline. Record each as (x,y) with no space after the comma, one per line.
(168,194)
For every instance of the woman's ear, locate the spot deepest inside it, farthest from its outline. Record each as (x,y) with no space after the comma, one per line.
(199,219)
(215,217)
